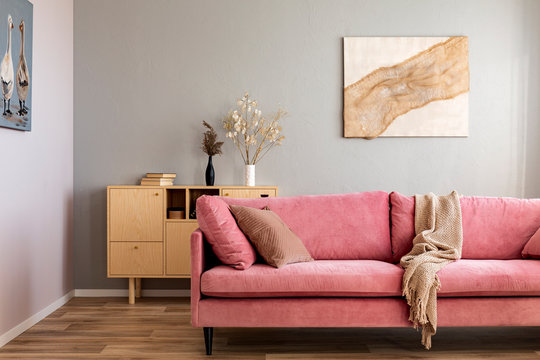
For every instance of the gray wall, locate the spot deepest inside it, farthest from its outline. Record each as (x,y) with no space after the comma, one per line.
(36,178)
(148,72)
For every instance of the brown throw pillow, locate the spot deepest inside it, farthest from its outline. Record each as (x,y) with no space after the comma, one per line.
(532,248)
(272,238)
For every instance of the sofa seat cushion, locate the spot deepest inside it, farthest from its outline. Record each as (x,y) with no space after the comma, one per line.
(370,278)
(327,278)
(490,278)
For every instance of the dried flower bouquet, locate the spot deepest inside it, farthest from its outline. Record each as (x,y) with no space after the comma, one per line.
(210,145)
(251,132)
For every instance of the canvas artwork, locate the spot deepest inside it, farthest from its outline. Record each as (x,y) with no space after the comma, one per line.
(16,19)
(406,86)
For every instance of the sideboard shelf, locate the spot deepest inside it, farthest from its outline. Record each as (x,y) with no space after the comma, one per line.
(142,242)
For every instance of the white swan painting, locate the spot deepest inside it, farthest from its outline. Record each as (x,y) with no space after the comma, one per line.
(6,71)
(16,65)
(23,76)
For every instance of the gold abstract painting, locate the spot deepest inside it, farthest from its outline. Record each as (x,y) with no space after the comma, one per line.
(406,86)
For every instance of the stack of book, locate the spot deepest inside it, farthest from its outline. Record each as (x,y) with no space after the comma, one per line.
(158,179)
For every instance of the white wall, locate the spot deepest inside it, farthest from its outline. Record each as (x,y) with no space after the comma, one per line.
(36,178)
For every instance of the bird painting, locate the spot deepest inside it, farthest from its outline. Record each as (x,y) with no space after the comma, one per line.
(6,71)
(16,64)
(23,76)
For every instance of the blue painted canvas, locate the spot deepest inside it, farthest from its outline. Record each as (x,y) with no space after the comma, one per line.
(16,20)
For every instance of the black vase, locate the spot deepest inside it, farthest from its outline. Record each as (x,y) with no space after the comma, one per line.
(210,174)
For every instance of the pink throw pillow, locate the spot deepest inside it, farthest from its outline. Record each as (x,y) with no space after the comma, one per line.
(221,231)
(532,248)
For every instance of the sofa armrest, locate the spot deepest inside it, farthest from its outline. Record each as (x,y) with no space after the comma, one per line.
(197,268)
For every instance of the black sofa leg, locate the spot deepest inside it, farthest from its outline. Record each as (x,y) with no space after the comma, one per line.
(208,335)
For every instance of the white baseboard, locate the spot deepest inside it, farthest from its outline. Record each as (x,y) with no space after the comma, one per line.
(124,293)
(34,319)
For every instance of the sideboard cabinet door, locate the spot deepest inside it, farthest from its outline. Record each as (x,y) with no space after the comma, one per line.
(178,254)
(136,214)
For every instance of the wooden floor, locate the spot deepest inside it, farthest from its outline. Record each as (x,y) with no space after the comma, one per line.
(158,328)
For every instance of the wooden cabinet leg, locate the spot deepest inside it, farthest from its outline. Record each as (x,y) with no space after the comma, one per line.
(131,291)
(138,289)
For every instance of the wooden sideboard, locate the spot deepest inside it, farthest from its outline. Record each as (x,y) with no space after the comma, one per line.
(142,242)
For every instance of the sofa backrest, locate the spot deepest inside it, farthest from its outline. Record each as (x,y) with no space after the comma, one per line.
(337,227)
(493,228)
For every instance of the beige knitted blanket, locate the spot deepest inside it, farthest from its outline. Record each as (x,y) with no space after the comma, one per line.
(438,241)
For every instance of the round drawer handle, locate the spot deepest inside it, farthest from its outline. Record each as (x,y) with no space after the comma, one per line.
(136,247)
(157,194)
(226,194)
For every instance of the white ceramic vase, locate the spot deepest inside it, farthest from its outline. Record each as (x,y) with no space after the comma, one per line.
(249,175)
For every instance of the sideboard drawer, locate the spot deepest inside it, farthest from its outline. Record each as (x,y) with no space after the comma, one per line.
(248,193)
(136,258)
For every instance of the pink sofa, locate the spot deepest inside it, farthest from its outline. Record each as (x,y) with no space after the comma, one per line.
(355,280)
